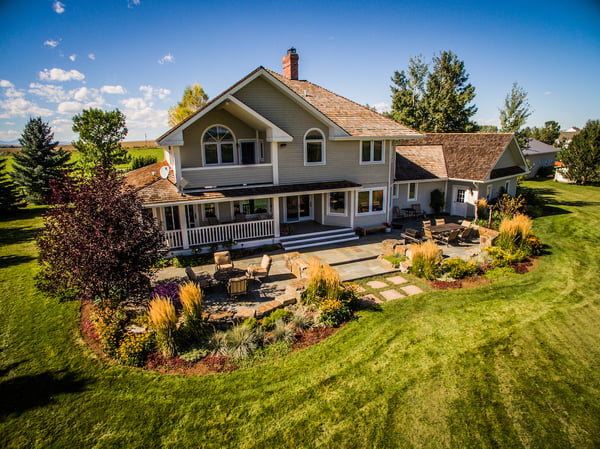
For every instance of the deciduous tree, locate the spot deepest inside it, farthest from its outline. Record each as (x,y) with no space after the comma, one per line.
(408,92)
(194,98)
(39,161)
(100,136)
(97,242)
(548,134)
(515,113)
(582,155)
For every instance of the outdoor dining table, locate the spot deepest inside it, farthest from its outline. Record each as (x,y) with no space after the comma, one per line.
(445,228)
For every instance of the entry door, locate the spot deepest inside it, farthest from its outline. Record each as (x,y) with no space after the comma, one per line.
(298,207)
(459,205)
(248,152)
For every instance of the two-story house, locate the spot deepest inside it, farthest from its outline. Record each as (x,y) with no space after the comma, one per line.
(270,155)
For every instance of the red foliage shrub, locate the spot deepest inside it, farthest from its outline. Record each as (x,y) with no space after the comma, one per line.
(219,363)
(155,360)
(446,285)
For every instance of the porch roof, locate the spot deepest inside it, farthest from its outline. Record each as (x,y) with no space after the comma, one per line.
(420,162)
(154,190)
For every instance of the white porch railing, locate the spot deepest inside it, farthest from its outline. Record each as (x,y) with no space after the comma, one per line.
(174,238)
(232,231)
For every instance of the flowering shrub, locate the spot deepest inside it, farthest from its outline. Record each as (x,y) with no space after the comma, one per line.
(135,348)
(458,268)
(334,312)
(110,326)
(534,245)
(504,258)
(168,290)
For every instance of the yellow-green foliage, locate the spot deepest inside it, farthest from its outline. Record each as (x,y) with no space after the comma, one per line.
(515,233)
(323,281)
(135,348)
(426,258)
(163,320)
(191,299)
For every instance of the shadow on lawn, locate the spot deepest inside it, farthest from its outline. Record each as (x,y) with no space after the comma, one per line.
(23,393)
(14,236)
(7,261)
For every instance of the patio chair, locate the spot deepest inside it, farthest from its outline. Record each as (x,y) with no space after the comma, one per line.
(397,217)
(466,224)
(240,218)
(465,235)
(427,234)
(203,279)
(452,237)
(223,260)
(212,221)
(261,272)
(440,221)
(426,224)
(237,286)
(418,211)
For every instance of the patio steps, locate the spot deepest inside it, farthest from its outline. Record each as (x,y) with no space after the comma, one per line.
(320,238)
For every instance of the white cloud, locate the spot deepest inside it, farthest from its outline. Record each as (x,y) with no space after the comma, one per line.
(92,56)
(6,83)
(81,94)
(51,43)
(150,91)
(19,107)
(58,7)
(167,58)
(51,92)
(61,75)
(113,89)
(63,127)
(382,107)
(69,107)
(132,3)
(73,57)
(11,92)
(135,103)
(9,134)
(547,93)
(9,123)
(91,97)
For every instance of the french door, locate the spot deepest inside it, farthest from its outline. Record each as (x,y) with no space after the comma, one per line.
(298,207)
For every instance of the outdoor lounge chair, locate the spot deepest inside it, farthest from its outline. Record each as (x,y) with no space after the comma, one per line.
(223,260)
(452,237)
(237,286)
(261,272)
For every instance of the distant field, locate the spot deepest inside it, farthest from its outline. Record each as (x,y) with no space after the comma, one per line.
(142,144)
(75,155)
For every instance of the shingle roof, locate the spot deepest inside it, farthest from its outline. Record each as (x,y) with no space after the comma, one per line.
(152,189)
(467,155)
(537,147)
(354,118)
(420,162)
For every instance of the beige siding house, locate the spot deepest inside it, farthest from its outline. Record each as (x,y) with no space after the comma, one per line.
(278,159)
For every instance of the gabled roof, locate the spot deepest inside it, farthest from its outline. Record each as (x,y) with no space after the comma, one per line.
(537,147)
(352,119)
(470,156)
(420,162)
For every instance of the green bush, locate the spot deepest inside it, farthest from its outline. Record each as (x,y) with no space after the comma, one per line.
(135,348)
(142,161)
(110,326)
(437,200)
(250,323)
(504,258)
(334,312)
(458,268)
(499,272)
(279,314)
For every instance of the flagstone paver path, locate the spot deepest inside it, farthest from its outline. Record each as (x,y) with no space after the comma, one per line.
(371,298)
(376,284)
(396,280)
(412,290)
(391,294)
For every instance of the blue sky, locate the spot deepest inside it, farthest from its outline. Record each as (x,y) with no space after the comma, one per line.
(138,55)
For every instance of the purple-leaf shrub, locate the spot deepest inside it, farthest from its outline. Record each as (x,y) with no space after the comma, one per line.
(168,290)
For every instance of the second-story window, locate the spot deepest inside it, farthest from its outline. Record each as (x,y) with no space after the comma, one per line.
(371,152)
(314,147)
(218,144)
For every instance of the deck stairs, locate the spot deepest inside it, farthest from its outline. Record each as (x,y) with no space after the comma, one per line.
(320,238)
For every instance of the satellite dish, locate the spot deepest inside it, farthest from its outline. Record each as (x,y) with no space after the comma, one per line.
(164,171)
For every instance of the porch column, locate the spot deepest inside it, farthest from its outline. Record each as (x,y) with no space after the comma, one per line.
(275,162)
(183,225)
(351,193)
(275,208)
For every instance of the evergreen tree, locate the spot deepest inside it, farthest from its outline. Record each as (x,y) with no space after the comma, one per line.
(582,155)
(39,161)
(10,198)
(448,95)
(194,98)
(515,113)
(548,134)
(100,136)
(436,100)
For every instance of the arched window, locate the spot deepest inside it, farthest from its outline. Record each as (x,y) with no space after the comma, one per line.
(314,147)
(218,144)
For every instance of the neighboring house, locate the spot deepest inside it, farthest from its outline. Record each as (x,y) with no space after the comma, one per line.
(274,154)
(465,166)
(539,154)
(567,135)
(560,173)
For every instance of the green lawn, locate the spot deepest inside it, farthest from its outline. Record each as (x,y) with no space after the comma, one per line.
(512,364)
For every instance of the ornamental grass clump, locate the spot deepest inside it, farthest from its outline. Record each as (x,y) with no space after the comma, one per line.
(426,258)
(192,300)
(239,342)
(163,320)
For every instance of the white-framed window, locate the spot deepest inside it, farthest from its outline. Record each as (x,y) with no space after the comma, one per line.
(218,146)
(171,218)
(371,201)
(336,203)
(314,147)
(251,207)
(412,191)
(395,190)
(371,152)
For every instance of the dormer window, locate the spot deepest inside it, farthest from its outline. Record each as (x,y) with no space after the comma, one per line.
(218,144)
(314,147)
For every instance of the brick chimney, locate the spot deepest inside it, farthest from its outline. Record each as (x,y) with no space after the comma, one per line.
(290,64)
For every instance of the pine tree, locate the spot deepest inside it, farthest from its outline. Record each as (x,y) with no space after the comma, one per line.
(10,198)
(39,161)
(582,155)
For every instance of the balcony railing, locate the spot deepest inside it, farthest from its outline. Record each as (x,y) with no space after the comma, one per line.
(246,230)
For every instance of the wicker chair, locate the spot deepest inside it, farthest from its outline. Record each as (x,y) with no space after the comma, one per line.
(223,260)
(237,286)
(261,272)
